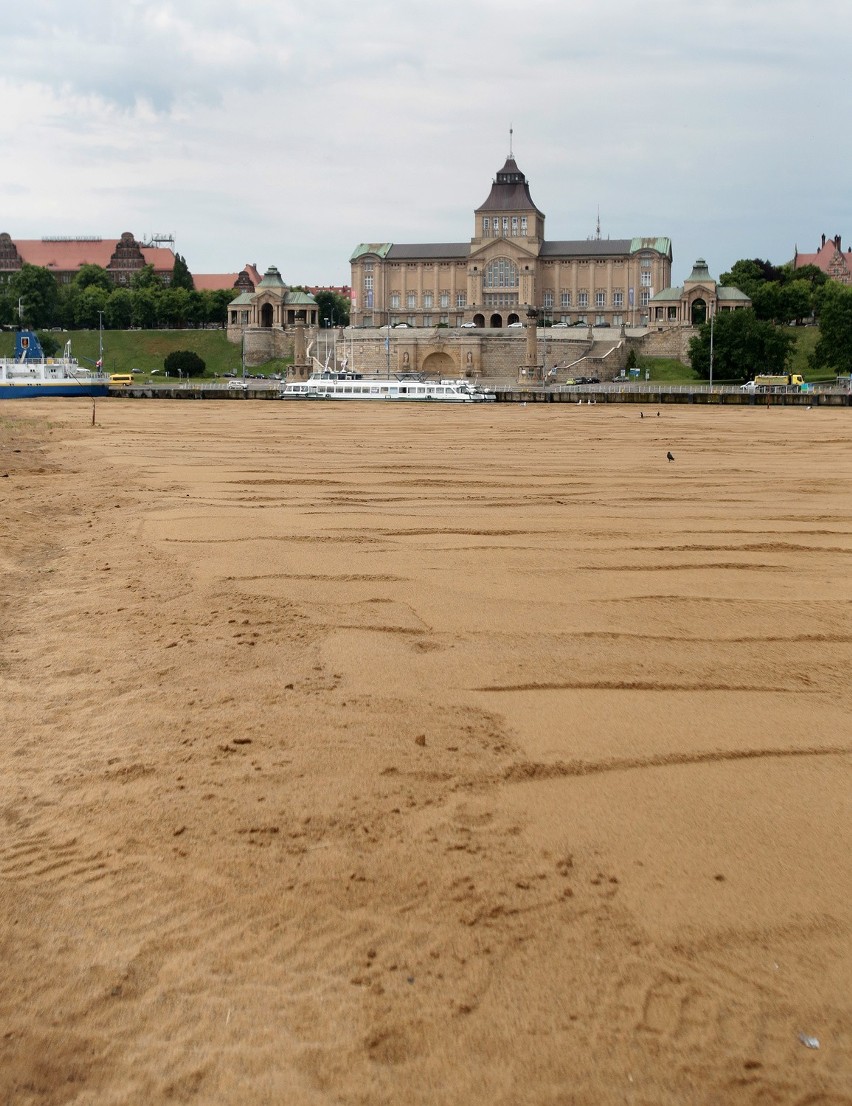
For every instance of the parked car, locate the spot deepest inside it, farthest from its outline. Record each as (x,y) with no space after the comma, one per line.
(468,326)
(560,326)
(237,385)
(512,325)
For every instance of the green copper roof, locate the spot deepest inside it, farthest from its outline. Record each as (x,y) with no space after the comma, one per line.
(299,297)
(700,273)
(242,298)
(378,248)
(272,279)
(661,245)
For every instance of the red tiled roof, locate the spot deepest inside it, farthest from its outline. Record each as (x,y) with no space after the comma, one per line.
(213,282)
(68,256)
(829,257)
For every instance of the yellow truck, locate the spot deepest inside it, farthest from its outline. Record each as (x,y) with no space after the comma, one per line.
(776,382)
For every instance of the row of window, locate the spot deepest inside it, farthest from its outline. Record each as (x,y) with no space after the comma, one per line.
(583,299)
(506,226)
(428,300)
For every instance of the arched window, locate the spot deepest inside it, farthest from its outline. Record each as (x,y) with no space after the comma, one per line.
(501,273)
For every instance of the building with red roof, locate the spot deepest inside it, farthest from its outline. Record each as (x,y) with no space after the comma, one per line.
(829,258)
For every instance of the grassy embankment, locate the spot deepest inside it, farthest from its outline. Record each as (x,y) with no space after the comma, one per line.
(673,372)
(140,351)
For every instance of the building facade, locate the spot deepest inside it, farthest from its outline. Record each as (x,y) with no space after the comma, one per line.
(695,301)
(830,258)
(121,257)
(507,267)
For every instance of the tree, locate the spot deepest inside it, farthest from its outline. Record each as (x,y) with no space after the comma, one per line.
(181,276)
(119,309)
(834,345)
(88,276)
(184,362)
(333,308)
(38,292)
(90,305)
(146,278)
(742,346)
(144,308)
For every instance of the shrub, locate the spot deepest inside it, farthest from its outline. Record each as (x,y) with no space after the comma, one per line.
(184,362)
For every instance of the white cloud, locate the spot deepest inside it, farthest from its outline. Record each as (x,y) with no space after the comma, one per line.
(284,134)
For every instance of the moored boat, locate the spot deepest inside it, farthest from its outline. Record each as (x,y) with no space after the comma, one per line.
(30,374)
(353,386)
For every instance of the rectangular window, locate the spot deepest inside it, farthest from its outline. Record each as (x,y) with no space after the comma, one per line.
(548,299)
(412,300)
(445,299)
(427,320)
(672,314)
(583,299)
(617,320)
(445,319)
(461,299)
(523,226)
(411,320)
(600,299)
(566,299)
(505,226)
(644,299)
(486,227)
(645,280)
(618,299)
(394,300)
(427,299)
(514,226)
(600,320)
(645,263)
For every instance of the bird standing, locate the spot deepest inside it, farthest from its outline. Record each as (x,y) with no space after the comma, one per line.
(669,456)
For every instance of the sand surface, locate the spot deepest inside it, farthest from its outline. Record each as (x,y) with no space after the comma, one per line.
(377,755)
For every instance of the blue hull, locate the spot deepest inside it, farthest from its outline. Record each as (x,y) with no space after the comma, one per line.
(38,390)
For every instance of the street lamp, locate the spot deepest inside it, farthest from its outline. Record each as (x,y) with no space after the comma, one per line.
(101,341)
(712,320)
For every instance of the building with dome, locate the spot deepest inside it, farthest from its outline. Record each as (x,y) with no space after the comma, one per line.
(507,267)
(263,320)
(695,301)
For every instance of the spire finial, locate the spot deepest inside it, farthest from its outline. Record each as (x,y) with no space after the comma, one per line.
(511,132)
(598,226)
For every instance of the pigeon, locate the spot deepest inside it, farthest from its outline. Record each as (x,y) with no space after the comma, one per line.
(641,416)
(669,456)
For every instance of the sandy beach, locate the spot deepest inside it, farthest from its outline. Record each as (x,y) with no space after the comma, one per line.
(368,755)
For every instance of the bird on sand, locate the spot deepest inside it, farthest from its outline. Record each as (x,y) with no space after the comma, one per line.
(669,456)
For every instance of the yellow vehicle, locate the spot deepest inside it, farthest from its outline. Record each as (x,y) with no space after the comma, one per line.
(120,380)
(770,381)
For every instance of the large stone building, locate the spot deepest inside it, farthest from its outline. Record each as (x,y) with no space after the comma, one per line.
(64,257)
(507,267)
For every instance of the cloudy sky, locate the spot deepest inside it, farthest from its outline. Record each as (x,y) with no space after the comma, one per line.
(281,132)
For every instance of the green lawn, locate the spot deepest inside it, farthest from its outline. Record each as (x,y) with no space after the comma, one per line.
(140,351)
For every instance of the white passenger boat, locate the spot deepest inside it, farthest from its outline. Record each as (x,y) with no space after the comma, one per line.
(331,385)
(30,374)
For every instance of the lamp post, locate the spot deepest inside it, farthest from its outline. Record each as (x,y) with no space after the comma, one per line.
(100,341)
(712,320)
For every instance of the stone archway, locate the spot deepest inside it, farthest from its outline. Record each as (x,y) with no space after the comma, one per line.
(440,365)
(496,322)
(513,318)
(266,315)
(698,312)
(479,320)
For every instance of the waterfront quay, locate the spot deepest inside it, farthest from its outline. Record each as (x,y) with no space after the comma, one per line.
(646,393)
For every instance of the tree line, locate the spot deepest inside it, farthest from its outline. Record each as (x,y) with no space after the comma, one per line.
(34,298)
(758,339)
